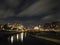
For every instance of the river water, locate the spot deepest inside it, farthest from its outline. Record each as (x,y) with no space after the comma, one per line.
(15,39)
(22,39)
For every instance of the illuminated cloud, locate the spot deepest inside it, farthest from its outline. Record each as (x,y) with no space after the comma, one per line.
(39,7)
(49,17)
(5,14)
(13,3)
(30,11)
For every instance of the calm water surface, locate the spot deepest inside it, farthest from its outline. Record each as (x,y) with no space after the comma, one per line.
(23,39)
(13,39)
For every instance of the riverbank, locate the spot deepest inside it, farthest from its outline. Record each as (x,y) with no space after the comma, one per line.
(54,35)
(48,39)
(49,36)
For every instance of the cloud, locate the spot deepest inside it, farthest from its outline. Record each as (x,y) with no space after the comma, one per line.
(41,6)
(6,8)
(13,7)
(13,3)
(48,17)
(31,11)
(6,13)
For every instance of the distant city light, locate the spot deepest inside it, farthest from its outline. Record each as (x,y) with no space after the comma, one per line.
(36,28)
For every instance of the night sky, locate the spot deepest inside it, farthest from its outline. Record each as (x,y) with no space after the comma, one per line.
(29,11)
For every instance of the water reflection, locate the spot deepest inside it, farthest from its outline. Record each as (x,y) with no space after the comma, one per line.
(12,39)
(25,34)
(22,37)
(17,37)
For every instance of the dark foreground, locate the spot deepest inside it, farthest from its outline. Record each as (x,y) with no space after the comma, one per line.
(23,39)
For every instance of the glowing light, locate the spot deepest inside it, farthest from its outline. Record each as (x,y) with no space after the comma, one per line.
(36,28)
(11,39)
(17,36)
(22,37)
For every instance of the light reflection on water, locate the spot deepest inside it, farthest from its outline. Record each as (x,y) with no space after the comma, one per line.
(12,39)
(22,37)
(17,37)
